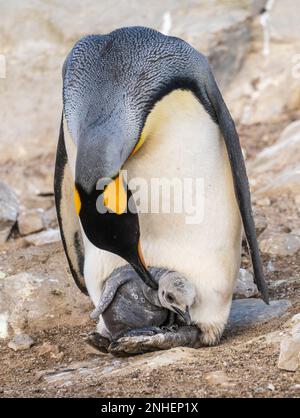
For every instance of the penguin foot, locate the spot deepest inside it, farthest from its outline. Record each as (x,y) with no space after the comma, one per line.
(186,336)
(97,341)
(146,331)
(170,328)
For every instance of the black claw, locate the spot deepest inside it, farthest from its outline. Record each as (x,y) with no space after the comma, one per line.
(172,328)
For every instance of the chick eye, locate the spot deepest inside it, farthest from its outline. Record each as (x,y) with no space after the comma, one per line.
(170,298)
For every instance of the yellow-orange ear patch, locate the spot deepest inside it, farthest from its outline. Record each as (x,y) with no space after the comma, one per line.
(115,196)
(77,201)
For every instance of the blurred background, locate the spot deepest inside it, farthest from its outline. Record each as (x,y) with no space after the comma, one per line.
(254,49)
(253,46)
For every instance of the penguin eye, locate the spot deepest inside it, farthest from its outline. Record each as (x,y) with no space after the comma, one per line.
(170,298)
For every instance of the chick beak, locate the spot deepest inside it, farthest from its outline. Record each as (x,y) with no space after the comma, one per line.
(185,315)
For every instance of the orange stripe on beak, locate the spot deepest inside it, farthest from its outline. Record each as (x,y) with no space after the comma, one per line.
(141,256)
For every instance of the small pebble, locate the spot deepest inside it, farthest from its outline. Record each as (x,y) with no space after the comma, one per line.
(264,202)
(271,387)
(21,342)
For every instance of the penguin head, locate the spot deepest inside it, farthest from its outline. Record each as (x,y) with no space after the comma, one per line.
(177,294)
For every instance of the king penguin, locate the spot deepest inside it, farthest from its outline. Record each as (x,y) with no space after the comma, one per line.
(140,101)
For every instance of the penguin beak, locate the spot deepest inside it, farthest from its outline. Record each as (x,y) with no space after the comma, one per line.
(141,268)
(185,315)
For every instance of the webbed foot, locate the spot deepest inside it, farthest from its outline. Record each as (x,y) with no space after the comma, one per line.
(186,336)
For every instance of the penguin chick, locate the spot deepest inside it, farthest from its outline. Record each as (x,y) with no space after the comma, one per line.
(129,307)
(177,294)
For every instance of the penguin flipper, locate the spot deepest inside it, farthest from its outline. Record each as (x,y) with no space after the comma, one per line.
(66,214)
(211,95)
(118,277)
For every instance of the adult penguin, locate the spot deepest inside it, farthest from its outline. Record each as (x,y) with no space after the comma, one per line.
(138,100)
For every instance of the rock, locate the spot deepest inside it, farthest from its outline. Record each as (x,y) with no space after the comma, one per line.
(290,132)
(266,88)
(294,321)
(297,200)
(284,152)
(3,325)
(278,283)
(44,237)
(285,21)
(2,275)
(271,268)
(223,32)
(271,387)
(286,182)
(30,221)
(279,244)
(276,168)
(119,367)
(21,342)
(296,231)
(260,220)
(219,378)
(27,303)
(8,211)
(245,286)
(291,329)
(33,201)
(50,350)
(289,358)
(263,202)
(245,312)
(50,218)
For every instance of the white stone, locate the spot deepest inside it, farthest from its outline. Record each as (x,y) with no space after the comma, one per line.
(271,387)
(245,286)
(30,302)
(30,221)
(260,220)
(3,325)
(289,358)
(8,211)
(281,244)
(42,238)
(263,202)
(297,200)
(21,342)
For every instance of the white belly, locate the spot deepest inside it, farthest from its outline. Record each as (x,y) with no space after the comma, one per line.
(183,142)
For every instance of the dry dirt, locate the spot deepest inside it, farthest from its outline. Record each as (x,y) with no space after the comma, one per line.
(251,365)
